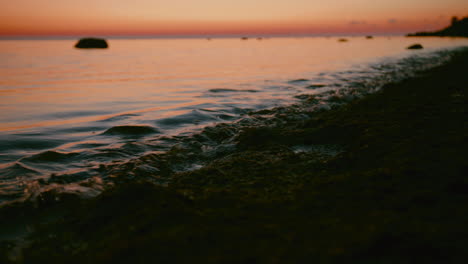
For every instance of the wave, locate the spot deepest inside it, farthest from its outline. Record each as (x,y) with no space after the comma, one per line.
(315,86)
(50,156)
(227,90)
(192,117)
(17,169)
(119,117)
(298,81)
(131,130)
(12,142)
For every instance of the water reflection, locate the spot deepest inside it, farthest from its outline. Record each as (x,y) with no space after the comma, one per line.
(70,111)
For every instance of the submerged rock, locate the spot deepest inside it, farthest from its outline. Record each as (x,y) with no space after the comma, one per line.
(415,46)
(91,43)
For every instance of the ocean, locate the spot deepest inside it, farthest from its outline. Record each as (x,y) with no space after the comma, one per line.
(79,121)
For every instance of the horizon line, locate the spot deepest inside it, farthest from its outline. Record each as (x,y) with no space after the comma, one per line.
(192,36)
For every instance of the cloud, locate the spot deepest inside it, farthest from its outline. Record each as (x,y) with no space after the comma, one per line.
(358,22)
(392,21)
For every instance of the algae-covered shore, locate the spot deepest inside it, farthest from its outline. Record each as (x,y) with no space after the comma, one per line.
(383,180)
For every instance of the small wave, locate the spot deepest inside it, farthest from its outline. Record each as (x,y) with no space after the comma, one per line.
(298,81)
(315,86)
(133,148)
(131,130)
(220,114)
(227,117)
(19,142)
(73,130)
(119,117)
(83,145)
(76,114)
(226,90)
(281,88)
(193,117)
(50,156)
(17,169)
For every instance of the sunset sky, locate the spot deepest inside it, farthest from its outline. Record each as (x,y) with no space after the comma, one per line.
(224,17)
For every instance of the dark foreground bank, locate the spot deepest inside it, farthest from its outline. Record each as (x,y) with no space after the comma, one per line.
(383,180)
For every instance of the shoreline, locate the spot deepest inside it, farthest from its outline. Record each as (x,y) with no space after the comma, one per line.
(381,183)
(54,168)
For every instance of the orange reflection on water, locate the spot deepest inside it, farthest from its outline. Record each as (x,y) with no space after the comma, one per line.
(49,83)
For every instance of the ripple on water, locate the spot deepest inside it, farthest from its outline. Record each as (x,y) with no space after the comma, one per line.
(297,81)
(76,130)
(192,117)
(14,142)
(50,156)
(315,86)
(17,169)
(227,90)
(134,147)
(119,117)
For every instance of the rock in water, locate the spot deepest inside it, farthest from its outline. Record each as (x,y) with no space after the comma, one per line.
(91,43)
(415,46)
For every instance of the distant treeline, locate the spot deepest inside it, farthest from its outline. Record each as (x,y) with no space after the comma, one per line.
(458,28)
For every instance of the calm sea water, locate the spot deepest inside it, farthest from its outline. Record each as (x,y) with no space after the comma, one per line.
(73,120)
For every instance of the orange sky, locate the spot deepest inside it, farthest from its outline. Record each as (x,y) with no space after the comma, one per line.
(212,17)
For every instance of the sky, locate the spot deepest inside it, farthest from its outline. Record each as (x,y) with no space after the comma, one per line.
(224,17)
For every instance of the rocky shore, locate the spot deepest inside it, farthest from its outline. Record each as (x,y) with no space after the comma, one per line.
(379,180)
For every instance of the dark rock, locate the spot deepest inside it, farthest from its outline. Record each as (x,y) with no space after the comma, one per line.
(415,46)
(91,43)
(342,40)
(369,37)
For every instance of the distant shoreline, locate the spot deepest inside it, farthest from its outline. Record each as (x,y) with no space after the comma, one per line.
(457,28)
